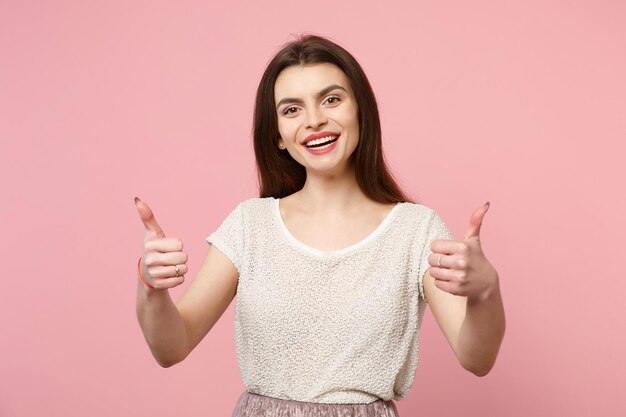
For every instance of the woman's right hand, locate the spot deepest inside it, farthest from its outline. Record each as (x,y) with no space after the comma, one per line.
(161,254)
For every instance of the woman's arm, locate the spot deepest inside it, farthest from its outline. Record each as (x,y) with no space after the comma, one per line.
(463,291)
(474,327)
(161,324)
(173,330)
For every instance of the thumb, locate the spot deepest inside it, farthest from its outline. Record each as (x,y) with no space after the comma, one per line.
(147,217)
(473,231)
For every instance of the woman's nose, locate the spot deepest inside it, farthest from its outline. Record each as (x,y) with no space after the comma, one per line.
(315,118)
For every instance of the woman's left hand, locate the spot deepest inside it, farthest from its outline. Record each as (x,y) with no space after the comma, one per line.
(460,267)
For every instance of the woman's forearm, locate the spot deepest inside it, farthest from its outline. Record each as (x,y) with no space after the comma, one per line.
(162,325)
(482,332)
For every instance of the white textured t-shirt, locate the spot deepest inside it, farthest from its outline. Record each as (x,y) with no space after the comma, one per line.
(328,326)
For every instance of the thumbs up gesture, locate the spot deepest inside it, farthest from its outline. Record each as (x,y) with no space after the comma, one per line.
(163,263)
(460,267)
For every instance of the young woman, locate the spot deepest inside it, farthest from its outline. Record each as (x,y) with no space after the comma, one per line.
(332,265)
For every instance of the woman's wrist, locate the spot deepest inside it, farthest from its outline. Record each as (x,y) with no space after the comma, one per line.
(142,279)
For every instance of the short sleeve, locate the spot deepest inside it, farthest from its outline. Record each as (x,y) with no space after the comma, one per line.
(228,237)
(435,229)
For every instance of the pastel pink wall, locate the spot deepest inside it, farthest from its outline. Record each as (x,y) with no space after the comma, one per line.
(519,103)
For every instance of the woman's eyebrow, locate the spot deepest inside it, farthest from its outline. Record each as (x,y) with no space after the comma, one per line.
(319,94)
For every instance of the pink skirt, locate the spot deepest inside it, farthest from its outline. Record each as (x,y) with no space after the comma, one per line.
(254,405)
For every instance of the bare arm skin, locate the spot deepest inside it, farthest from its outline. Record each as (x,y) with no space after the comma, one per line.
(171,330)
(463,291)
(474,328)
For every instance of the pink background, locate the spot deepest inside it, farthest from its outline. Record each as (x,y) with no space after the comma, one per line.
(519,103)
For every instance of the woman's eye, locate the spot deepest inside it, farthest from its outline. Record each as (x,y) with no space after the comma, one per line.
(286,111)
(335,98)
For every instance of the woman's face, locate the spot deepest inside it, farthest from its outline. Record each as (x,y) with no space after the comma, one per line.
(314,99)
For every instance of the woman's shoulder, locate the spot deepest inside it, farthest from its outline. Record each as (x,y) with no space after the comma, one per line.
(255,201)
(255,204)
(418,207)
(420,215)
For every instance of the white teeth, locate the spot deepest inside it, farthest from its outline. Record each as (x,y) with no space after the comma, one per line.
(319,148)
(320,140)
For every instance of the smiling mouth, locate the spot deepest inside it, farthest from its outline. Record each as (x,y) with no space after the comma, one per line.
(317,145)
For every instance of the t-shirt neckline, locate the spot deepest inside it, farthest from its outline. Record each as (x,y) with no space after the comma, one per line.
(320,253)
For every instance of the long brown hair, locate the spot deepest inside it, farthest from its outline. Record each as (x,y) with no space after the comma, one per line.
(279,174)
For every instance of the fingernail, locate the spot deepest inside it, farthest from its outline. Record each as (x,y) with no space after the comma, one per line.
(487,204)
(137,199)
